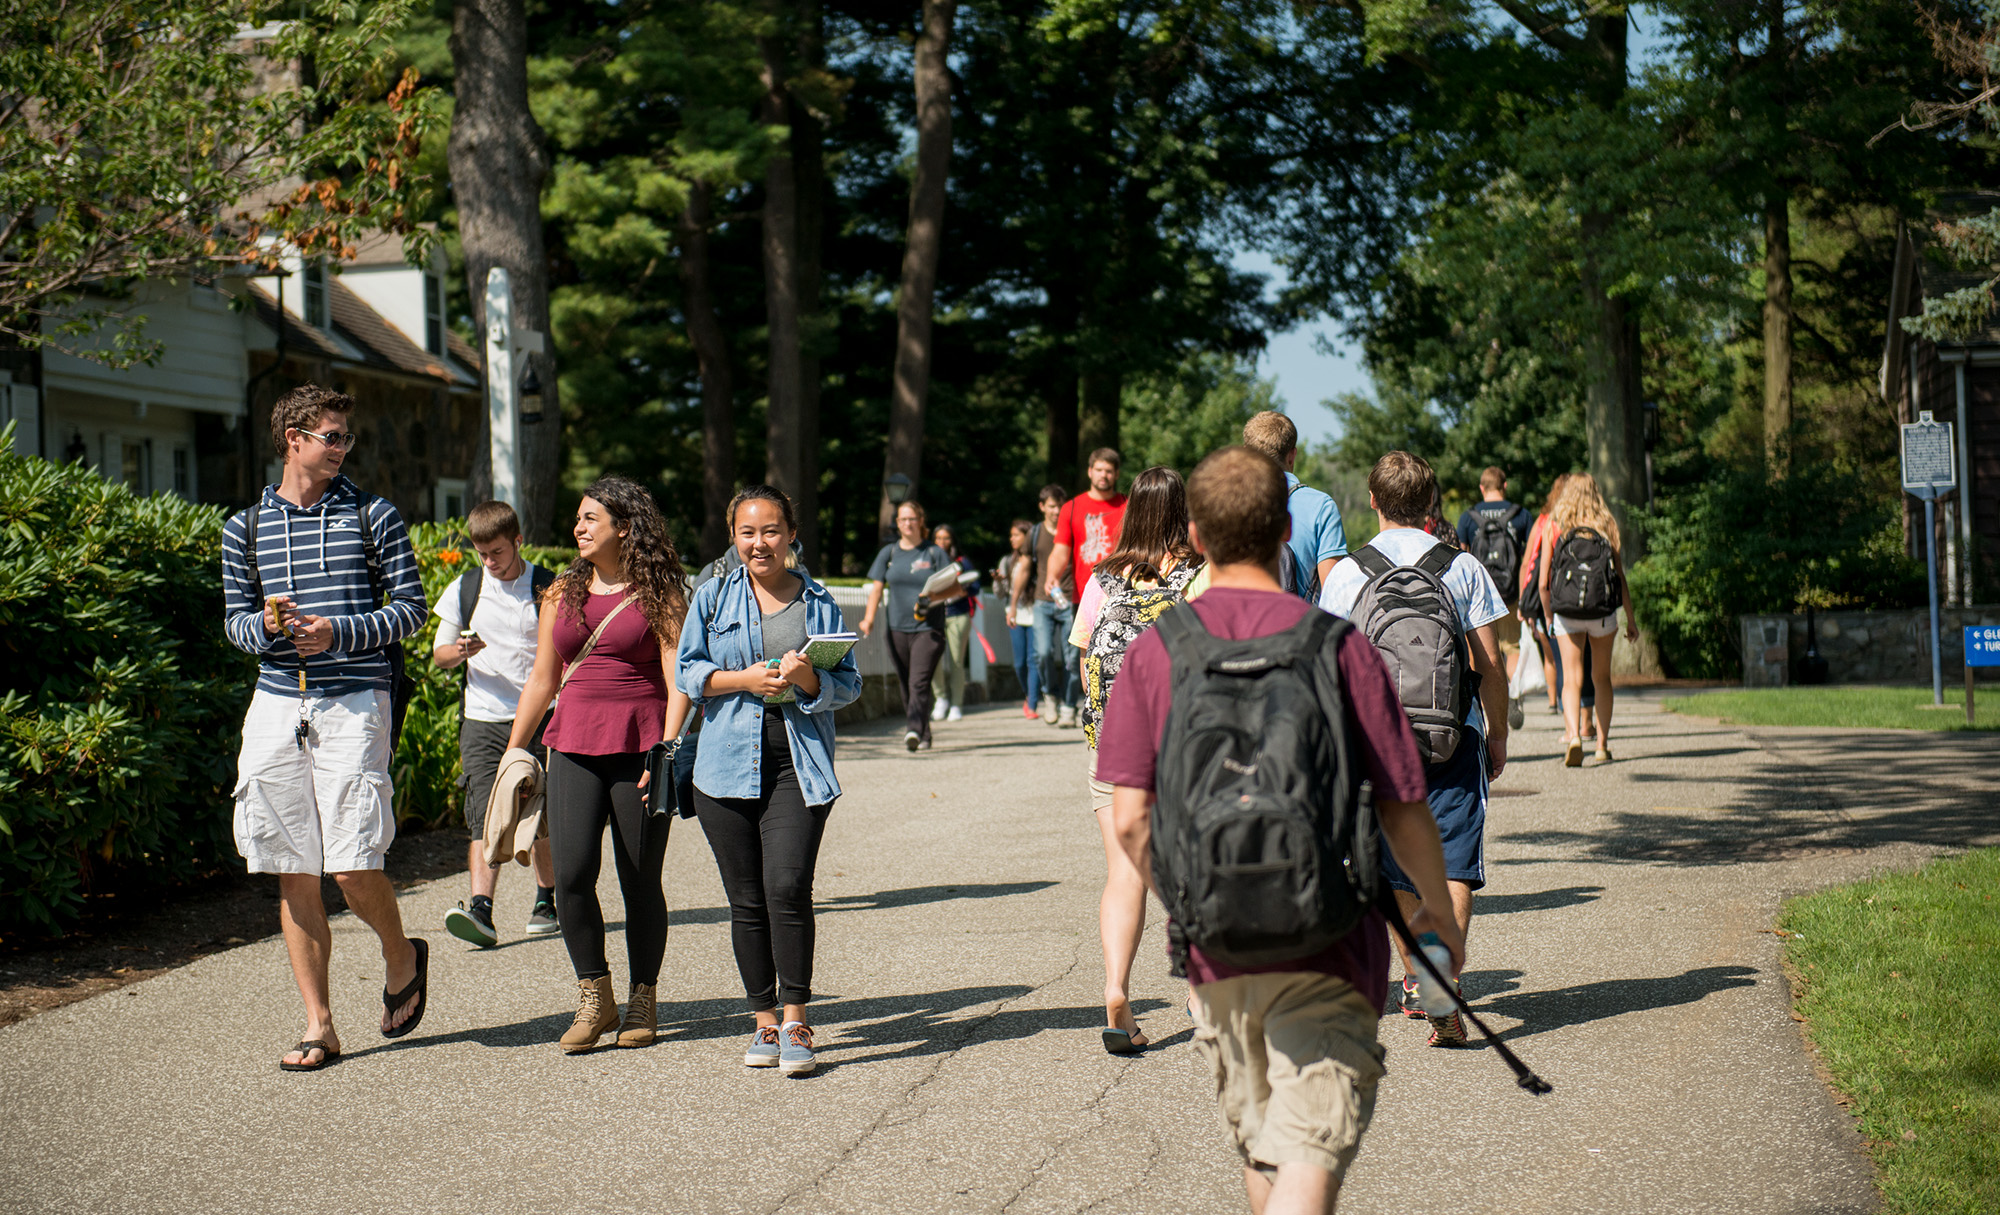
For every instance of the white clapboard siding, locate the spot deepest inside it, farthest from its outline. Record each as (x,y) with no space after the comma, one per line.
(202,365)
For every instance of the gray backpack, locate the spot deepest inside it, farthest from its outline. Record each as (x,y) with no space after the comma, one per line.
(1408,614)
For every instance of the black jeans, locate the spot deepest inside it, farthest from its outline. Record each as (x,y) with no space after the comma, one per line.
(766,848)
(584,790)
(916,656)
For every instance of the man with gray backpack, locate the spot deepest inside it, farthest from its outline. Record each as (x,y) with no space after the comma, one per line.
(1432,612)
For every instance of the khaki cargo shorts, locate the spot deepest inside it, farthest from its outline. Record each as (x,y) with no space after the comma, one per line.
(1296,1064)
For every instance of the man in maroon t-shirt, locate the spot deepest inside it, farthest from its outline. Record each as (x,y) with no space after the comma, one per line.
(1266,1029)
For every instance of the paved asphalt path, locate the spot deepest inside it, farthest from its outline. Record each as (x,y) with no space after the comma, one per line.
(1622,946)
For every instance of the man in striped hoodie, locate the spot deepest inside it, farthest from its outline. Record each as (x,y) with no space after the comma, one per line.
(304,589)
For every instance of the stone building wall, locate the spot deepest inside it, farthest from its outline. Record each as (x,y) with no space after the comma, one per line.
(1860,646)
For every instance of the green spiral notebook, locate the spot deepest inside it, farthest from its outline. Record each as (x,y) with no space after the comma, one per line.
(824,651)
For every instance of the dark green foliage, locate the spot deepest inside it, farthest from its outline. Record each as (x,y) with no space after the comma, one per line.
(1739,543)
(120,699)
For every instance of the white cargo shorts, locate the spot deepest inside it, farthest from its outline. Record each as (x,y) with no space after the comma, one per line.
(326,808)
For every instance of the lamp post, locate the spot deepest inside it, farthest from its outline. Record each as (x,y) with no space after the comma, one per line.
(507,399)
(896,488)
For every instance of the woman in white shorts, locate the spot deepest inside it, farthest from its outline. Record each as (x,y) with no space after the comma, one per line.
(1583,506)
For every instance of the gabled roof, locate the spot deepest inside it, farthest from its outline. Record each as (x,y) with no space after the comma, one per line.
(357,334)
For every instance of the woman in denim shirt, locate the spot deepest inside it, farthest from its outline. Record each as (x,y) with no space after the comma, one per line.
(763,776)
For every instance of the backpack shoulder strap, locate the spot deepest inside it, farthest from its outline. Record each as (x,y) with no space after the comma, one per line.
(470,583)
(1373,561)
(539,582)
(1515,512)
(368,550)
(250,547)
(1438,561)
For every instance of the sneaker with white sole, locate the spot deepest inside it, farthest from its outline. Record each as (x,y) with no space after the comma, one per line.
(910,740)
(795,1049)
(763,1048)
(542,921)
(1050,711)
(956,714)
(1068,719)
(470,927)
(939,709)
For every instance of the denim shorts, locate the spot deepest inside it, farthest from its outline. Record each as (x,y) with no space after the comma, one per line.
(1458,802)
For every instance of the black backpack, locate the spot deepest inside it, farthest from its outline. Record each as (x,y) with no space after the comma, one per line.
(402,686)
(1265,845)
(1409,616)
(1583,576)
(1292,576)
(1499,549)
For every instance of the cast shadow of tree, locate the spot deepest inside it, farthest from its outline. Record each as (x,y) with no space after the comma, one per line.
(909,896)
(1825,792)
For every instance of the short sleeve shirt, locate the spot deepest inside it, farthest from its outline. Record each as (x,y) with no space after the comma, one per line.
(1045,543)
(903,571)
(1317,532)
(505,618)
(1090,528)
(1129,742)
(1472,591)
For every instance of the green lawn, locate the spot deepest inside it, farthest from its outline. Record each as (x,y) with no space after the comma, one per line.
(1898,980)
(1850,706)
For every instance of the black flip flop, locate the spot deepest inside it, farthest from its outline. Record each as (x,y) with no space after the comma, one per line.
(1118,1042)
(419,987)
(328,1056)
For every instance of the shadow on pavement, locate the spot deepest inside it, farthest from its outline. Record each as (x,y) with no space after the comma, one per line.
(1542,1011)
(1542,900)
(912,896)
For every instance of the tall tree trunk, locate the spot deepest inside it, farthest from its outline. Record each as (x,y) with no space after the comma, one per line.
(1777,331)
(711,352)
(1060,423)
(498,162)
(782,466)
(922,248)
(809,167)
(1097,420)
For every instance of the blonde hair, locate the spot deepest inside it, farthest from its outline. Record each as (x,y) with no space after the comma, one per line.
(1582,505)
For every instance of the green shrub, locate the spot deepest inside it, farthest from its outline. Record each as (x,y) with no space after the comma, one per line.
(1740,543)
(120,702)
(426,769)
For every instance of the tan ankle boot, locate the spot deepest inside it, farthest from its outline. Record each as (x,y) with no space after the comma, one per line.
(596,1015)
(640,1026)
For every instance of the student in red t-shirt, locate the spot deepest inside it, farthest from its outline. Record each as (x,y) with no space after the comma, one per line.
(1086,533)
(1269,1032)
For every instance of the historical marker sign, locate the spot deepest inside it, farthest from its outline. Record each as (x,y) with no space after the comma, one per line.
(1929,465)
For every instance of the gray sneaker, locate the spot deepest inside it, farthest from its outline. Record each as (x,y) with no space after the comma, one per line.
(1068,720)
(795,1056)
(763,1050)
(1516,715)
(542,920)
(469,926)
(1047,710)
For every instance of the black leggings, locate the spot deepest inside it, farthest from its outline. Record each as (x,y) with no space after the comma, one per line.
(766,848)
(916,656)
(584,790)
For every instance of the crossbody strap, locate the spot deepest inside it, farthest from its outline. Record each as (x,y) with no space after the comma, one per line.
(590,642)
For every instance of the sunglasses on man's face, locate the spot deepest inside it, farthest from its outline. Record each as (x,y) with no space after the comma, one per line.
(332,438)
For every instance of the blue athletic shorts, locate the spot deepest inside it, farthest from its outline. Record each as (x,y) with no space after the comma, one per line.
(1458,802)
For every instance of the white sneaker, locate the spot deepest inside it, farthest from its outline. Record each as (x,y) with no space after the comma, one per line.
(910,740)
(956,714)
(1047,710)
(939,709)
(1068,719)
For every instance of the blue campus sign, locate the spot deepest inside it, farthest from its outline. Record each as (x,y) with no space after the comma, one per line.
(1982,645)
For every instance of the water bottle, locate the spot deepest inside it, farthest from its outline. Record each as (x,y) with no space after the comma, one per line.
(1435,997)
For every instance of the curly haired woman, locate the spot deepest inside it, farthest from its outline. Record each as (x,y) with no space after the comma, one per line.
(626,591)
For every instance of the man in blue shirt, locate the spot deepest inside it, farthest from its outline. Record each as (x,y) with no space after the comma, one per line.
(1318,540)
(303,575)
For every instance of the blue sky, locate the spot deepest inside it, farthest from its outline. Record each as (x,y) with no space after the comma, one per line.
(1305,374)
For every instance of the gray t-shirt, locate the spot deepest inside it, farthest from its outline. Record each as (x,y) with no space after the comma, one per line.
(785,629)
(904,571)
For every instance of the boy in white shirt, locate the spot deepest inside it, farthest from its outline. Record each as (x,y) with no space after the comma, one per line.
(498,650)
(1401,488)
